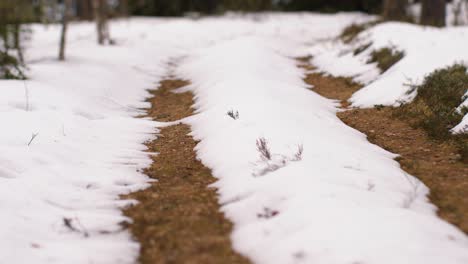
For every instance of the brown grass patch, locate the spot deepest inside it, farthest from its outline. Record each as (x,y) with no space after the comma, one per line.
(436,163)
(177,219)
(386,58)
(338,88)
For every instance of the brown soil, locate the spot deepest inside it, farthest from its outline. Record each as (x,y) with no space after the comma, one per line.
(338,88)
(177,219)
(436,163)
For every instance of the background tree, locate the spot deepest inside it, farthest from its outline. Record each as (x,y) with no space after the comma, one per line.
(247,5)
(14,17)
(101,12)
(123,8)
(84,9)
(65,19)
(433,13)
(370,6)
(395,10)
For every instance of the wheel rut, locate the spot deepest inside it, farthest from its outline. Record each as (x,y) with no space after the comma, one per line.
(436,163)
(177,219)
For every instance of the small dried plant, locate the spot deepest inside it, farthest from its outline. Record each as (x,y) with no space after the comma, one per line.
(271,162)
(298,155)
(267,213)
(74,225)
(263,149)
(233,114)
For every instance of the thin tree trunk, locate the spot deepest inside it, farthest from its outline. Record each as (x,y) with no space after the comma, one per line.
(63,36)
(395,10)
(457,9)
(17,42)
(433,13)
(100,15)
(84,10)
(123,8)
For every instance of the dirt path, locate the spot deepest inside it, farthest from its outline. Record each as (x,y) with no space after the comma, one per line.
(436,163)
(178,218)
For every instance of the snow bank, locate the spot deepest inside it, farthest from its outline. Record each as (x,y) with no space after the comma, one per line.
(426,49)
(344,201)
(59,196)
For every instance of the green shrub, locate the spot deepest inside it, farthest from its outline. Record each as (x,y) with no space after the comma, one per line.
(350,32)
(435,107)
(386,58)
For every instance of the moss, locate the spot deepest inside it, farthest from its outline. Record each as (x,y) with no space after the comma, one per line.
(386,58)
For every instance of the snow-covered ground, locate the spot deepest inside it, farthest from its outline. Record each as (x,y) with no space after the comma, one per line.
(343,201)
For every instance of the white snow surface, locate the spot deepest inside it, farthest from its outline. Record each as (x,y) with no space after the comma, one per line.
(88,149)
(344,201)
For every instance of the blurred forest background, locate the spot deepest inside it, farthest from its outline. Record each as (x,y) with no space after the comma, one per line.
(83,9)
(16,15)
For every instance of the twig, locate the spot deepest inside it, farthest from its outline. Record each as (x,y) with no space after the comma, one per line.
(34,135)
(262,147)
(68,222)
(298,154)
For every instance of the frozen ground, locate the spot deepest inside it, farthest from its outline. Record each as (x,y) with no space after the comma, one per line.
(343,201)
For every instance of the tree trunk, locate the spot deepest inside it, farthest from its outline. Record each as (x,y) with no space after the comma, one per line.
(63,36)
(433,13)
(84,10)
(100,15)
(17,42)
(395,10)
(123,8)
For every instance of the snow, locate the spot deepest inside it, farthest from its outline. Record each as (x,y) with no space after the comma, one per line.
(344,201)
(87,151)
(426,49)
(88,146)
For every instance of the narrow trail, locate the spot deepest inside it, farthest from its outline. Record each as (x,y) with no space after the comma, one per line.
(435,163)
(177,219)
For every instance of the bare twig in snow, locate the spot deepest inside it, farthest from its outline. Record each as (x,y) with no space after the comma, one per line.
(267,213)
(262,147)
(233,115)
(68,222)
(272,162)
(33,136)
(298,154)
